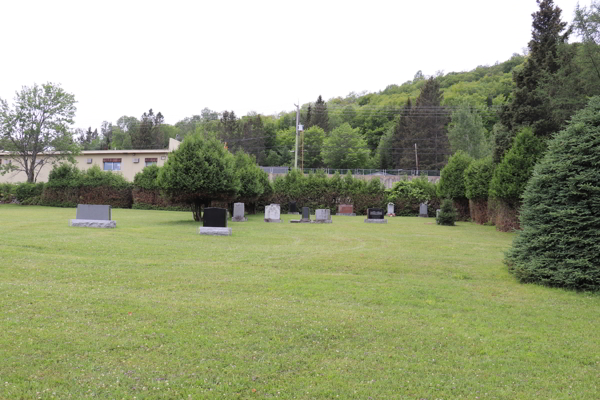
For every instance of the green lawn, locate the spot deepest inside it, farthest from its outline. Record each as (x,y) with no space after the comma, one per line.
(406,310)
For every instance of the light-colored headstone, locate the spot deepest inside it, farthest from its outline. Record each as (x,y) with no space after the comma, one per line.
(92,223)
(273,213)
(391,208)
(423,210)
(238,213)
(323,216)
(209,230)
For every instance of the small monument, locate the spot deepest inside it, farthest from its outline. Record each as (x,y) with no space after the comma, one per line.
(391,210)
(323,216)
(423,210)
(376,216)
(273,213)
(238,213)
(346,209)
(93,216)
(437,215)
(305,216)
(214,222)
(293,209)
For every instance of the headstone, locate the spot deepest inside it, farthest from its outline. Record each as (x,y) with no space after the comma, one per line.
(214,222)
(238,213)
(346,209)
(93,216)
(423,210)
(273,213)
(292,208)
(391,209)
(376,216)
(305,216)
(323,216)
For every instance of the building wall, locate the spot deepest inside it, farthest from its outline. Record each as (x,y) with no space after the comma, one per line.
(129,167)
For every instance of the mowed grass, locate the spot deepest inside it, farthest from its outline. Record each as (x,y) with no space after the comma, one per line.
(406,310)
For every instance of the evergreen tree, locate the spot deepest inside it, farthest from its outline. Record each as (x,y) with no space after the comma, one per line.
(447,215)
(559,244)
(319,116)
(148,134)
(531,105)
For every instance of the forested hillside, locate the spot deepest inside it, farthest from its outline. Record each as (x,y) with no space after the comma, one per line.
(423,120)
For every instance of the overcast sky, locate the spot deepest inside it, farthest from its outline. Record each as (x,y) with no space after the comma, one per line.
(177,57)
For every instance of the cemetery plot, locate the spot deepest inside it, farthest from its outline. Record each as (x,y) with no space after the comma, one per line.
(93,216)
(214,222)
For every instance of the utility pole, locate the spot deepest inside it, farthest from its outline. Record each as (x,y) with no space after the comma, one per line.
(417,159)
(297,121)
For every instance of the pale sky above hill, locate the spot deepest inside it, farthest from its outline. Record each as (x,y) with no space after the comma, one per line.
(177,57)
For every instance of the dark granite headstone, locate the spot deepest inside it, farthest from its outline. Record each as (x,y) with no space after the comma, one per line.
(305,213)
(375,213)
(215,217)
(293,208)
(95,212)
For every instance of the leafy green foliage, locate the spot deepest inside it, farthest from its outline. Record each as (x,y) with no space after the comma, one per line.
(447,215)
(452,180)
(477,178)
(147,178)
(198,172)
(36,130)
(560,219)
(345,148)
(7,192)
(467,133)
(29,193)
(249,175)
(512,174)
(408,195)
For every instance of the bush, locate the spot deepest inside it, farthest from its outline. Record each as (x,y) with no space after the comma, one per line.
(147,179)
(408,195)
(447,215)
(7,192)
(29,193)
(452,182)
(477,180)
(560,217)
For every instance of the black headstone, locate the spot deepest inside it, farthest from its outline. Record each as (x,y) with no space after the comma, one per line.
(305,213)
(375,213)
(215,217)
(293,208)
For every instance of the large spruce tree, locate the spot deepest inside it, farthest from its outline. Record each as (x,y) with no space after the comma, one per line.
(560,240)
(531,105)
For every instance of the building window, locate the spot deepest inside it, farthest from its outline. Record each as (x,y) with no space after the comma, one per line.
(112,164)
(151,161)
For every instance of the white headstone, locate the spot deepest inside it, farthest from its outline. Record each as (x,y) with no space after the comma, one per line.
(238,212)
(423,210)
(323,215)
(391,208)
(273,213)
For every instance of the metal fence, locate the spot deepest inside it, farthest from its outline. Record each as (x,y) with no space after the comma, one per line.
(381,172)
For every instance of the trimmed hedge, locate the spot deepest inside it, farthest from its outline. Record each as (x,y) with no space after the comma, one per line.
(29,194)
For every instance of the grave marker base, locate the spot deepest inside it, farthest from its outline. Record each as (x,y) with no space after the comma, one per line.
(239,219)
(347,214)
(272,220)
(376,221)
(92,223)
(208,230)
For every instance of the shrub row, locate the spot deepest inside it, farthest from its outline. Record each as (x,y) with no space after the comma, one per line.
(67,187)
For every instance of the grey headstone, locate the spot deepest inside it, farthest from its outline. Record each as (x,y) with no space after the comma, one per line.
(92,211)
(437,216)
(423,210)
(273,213)
(238,212)
(92,223)
(391,208)
(209,230)
(323,216)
